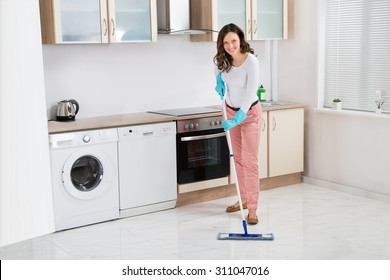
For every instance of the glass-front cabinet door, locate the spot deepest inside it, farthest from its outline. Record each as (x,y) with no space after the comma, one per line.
(132,20)
(259,19)
(79,21)
(230,11)
(98,21)
(269,19)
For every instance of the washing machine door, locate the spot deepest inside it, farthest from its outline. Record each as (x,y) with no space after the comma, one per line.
(83,175)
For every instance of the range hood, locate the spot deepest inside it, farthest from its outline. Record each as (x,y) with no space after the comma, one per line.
(174,18)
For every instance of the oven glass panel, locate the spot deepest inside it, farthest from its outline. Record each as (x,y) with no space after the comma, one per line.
(200,160)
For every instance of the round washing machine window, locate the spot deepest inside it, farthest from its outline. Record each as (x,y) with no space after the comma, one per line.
(86,173)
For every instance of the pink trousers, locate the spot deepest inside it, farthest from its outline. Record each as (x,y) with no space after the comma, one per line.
(245,139)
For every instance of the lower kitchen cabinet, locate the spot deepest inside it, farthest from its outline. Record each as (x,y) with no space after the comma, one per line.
(281,143)
(285,141)
(263,150)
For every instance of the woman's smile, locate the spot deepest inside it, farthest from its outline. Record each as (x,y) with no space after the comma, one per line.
(231,43)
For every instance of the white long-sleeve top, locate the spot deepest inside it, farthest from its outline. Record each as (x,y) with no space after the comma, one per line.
(242,83)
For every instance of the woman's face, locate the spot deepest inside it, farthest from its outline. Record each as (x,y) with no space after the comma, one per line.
(231,43)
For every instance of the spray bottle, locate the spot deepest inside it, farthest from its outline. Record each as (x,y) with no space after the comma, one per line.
(261,93)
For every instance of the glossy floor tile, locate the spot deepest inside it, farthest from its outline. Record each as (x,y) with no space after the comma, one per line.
(309,222)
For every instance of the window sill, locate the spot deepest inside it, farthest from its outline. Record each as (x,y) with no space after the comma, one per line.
(346,112)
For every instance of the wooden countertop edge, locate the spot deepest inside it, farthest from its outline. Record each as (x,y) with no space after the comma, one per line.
(283,107)
(135,119)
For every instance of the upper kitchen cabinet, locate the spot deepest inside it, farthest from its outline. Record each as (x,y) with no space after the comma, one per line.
(259,19)
(132,20)
(269,19)
(98,21)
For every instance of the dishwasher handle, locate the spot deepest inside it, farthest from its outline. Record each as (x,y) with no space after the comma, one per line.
(202,137)
(147,133)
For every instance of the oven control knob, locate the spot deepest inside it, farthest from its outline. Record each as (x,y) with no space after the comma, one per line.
(186,127)
(196,126)
(211,123)
(192,126)
(86,139)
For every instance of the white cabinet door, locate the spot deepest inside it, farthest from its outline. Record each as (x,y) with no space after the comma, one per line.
(285,141)
(263,150)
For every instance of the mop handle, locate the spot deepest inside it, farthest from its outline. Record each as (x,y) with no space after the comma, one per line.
(234,165)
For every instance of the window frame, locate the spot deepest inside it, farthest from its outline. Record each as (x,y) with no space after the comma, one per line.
(322,102)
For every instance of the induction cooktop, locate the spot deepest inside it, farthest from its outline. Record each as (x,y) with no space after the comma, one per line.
(186,111)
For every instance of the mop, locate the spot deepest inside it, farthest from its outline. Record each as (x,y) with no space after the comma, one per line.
(245,235)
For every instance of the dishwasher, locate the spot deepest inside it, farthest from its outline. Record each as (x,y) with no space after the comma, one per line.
(147,168)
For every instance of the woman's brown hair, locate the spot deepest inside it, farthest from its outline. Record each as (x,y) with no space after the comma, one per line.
(223,60)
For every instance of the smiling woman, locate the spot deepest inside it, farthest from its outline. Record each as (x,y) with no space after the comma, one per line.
(237,84)
(26,207)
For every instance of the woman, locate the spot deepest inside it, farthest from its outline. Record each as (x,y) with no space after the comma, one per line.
(239,71)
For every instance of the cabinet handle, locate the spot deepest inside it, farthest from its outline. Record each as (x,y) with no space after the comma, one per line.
(263,129)
(250,27)
(273,123)
(105,27)
(113,27)
(255,24)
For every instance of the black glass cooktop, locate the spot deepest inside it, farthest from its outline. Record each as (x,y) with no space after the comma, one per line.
(186,111)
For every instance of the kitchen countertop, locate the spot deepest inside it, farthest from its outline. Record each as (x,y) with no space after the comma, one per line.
(143,118)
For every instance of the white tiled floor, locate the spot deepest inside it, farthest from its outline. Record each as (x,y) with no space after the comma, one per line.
(308,222)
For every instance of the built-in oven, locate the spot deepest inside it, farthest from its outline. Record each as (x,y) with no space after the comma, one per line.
(202,153)
(201,148)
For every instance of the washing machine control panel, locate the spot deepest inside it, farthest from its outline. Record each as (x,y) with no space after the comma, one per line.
(81,138)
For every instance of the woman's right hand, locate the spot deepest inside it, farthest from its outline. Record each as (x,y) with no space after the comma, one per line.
(220,87)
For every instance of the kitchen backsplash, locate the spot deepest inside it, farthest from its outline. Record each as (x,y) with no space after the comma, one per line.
(136,77)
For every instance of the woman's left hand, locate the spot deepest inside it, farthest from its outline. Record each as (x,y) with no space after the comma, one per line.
(238,118)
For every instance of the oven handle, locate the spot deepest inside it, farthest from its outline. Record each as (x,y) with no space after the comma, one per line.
(202,137)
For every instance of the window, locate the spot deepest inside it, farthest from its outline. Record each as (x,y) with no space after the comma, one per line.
(354,55)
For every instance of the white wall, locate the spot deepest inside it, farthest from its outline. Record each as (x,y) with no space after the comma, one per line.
(136,77)
(347,149)
(114,79)
(26,204)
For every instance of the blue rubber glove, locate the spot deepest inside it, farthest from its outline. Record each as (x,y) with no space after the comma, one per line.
(220,87)
(238,118)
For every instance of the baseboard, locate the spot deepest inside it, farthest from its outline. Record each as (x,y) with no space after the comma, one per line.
(135,211)
(280,181)
(347,189)
(230,190)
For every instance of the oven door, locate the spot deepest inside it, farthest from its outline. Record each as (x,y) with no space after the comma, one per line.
(202,155)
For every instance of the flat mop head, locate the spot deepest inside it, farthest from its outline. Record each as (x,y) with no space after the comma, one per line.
(245,236)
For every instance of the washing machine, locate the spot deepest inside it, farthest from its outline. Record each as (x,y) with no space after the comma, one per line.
(85,177)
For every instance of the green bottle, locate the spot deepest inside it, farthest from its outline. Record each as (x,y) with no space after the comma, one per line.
(261,93)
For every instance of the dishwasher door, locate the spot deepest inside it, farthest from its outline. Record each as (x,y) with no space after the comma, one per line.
(147,168)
